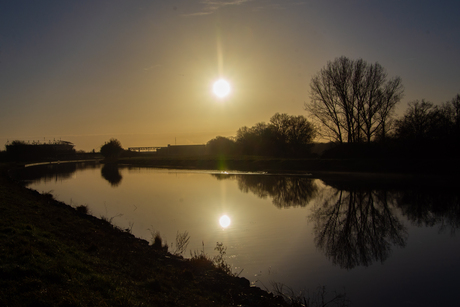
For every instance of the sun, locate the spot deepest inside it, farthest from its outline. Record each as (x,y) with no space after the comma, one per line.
(221,88)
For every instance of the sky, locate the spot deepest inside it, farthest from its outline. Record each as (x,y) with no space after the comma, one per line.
(142,71)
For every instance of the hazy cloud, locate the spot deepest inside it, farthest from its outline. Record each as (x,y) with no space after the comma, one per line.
(210,6)
(277,5)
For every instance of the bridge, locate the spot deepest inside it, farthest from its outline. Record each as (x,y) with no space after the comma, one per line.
(139,149)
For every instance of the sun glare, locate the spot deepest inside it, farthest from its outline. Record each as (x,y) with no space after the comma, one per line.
(224,221)
(221,88)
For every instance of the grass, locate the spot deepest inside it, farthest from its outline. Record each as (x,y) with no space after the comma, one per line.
(182,240)
(218,261)
(320,298)
(52,254)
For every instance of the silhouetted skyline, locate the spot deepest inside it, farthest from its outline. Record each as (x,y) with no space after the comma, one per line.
(142,71)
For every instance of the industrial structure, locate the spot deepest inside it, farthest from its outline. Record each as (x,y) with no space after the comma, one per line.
(176,150)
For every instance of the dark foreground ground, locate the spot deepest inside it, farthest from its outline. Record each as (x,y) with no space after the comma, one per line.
(54,255)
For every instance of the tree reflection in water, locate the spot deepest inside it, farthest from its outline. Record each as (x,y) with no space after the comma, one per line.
(428,206)
(352,226)
(357,227)
(111,173)
(356,222)
(285,191)
(51,172)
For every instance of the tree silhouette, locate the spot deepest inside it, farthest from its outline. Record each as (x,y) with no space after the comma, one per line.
(221,146)
(294,133)
(430,130)
(352,100)
(111,149)
(455,105)
(285,135)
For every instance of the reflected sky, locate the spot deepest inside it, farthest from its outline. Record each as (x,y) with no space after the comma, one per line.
(297,230)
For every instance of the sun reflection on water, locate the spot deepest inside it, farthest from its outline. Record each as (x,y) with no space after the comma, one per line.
(224,221)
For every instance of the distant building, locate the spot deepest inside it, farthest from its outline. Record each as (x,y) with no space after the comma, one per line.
(182,150)
(62,147)
(22,151)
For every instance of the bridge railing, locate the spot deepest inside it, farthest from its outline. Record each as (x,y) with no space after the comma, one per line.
(139,149)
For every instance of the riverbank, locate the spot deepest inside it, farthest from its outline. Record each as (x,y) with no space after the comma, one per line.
(52,254)
(255,163)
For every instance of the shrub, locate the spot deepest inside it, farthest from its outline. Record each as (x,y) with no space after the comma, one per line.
(112,149)
(82,209)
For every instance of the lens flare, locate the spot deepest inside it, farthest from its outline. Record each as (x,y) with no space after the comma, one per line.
(224,221)
(221,88)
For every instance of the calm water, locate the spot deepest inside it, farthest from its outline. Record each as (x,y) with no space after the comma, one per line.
(383,243)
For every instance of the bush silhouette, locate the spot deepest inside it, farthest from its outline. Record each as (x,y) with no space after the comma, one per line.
(112,149)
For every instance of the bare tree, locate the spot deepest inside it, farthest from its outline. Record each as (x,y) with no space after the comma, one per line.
(392,94)
(425,121)
(352,100)
(285,135)
(295,130)
(455,105)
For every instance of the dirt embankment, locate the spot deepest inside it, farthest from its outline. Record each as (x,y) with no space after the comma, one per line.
(52,254)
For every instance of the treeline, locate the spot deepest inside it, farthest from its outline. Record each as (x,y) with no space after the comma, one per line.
(284,136)
(429,130)
(353,106)
(425,130)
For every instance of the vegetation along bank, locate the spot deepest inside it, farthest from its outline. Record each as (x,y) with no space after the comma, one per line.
(52,254)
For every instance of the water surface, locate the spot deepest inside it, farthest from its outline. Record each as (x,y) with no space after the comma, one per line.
(383,243)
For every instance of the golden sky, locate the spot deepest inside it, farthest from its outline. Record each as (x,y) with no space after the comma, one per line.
(142,71)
